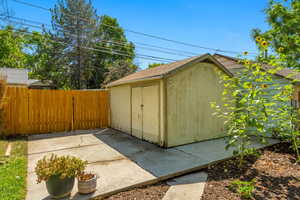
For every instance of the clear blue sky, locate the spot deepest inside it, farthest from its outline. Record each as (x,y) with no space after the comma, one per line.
(222,24)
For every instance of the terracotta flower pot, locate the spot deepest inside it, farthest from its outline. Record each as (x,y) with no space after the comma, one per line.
(59,188)
(87,184)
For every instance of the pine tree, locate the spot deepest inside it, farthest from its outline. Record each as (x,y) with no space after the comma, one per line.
(74,23)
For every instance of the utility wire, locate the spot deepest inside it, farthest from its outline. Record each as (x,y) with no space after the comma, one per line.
(101,49)
(141,33)
(117,43)
(123,43)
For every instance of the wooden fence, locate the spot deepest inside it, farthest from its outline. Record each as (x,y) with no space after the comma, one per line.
(30,111)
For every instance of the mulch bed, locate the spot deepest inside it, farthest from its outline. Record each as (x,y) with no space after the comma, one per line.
(152,192)
(276,173)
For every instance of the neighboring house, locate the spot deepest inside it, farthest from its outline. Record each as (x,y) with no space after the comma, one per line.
(19,78)
(170,104)
(15,77)
(282,77)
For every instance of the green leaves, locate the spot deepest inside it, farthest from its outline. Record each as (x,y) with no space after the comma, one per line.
(243,188)
(256,103)
(283,35)
(12,47)
(63,166)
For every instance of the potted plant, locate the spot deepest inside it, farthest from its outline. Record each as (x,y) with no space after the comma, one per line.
(87,182)
(59,173)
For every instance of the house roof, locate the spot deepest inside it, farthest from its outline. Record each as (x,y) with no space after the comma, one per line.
(163,70)
(232,63)
(15,76)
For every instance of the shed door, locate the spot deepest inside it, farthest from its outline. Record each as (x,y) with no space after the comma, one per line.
(137,112)
(145,113)
(150,113)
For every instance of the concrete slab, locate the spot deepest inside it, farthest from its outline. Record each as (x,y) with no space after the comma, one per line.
(186,187)
(92,154)
(122,161)
(213,150)
(157,161)
(113,176)
(60,143)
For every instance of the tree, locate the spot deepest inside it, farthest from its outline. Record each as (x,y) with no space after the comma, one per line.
(113,50)
(74,24)
(117,70)
(152,65)
(283,17)
(83,47)
(11,48)
(47,62)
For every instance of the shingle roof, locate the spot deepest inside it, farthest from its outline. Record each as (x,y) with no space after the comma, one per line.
(232,63)
(158,72)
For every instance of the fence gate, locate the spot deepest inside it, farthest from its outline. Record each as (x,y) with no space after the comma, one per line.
(29,111)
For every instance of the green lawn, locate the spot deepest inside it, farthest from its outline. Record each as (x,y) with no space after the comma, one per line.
(13,172)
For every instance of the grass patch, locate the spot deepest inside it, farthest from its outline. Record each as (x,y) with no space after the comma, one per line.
(13,172)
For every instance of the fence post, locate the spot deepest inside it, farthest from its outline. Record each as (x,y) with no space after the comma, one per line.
(73,113)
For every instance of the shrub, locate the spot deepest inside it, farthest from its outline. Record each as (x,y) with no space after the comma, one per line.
(62,166)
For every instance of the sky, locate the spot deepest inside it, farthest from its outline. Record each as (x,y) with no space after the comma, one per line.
(218,24)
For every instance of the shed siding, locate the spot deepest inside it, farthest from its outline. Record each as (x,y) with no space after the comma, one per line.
(120,100)
(189,114)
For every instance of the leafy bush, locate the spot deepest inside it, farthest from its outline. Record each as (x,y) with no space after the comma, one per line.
(63,166)
(243,188)
(256,104)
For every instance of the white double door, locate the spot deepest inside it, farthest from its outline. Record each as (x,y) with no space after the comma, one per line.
(145,113)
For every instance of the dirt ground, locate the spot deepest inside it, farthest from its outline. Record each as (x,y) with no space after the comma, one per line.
(152,192)
(276,173)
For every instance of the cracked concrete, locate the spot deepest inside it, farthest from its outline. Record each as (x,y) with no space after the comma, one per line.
(120,160)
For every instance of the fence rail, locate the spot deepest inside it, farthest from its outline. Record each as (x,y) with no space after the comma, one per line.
(30,111)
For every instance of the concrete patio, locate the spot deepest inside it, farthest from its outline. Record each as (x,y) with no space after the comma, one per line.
(120,160)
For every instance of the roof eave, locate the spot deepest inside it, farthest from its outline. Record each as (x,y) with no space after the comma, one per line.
(199,59)
(135,80)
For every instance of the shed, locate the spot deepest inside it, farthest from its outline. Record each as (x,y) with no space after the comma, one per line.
(169,105)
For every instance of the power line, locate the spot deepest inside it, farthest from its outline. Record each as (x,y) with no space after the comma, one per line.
(150,45)
(141,33)
(105,49)
(117,43)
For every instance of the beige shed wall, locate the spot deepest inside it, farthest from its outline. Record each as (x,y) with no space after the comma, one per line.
(189,114)
(120,105)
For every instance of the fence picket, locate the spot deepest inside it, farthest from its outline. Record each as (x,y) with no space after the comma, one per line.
(31,111)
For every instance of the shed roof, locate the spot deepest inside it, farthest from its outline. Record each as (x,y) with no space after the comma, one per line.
(232,63)
(163,70)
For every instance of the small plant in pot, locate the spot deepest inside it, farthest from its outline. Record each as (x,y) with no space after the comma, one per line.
(87,182)
(59,173)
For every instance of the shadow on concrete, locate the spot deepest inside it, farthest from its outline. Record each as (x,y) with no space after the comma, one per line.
(170,162)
